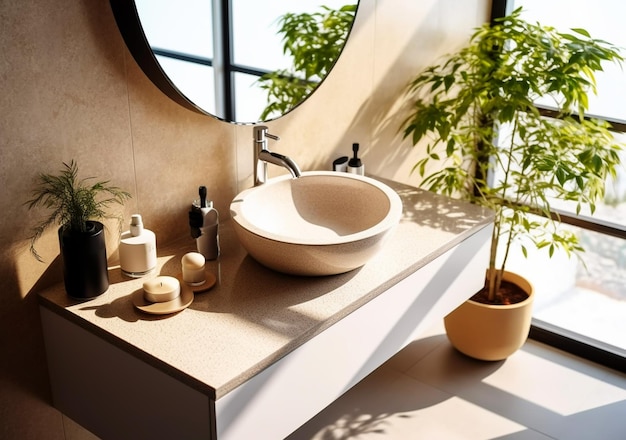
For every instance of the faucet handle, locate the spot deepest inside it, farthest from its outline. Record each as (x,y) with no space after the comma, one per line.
(272,136)
(260,133)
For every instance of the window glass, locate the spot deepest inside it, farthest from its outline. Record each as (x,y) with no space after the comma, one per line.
(255,28)
(250,100)
(612,209)
(585,296)
(182,25)
(197,80)
(603,19)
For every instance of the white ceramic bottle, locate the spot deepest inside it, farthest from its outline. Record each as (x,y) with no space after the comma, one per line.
(137,249)
(204,222)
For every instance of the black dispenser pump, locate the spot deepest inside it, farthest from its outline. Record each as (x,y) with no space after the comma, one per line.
(355,166)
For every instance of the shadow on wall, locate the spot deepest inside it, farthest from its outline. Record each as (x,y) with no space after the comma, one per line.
(386,108)
(440,29)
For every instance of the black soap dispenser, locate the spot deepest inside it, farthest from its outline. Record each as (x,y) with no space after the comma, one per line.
(355,166)
(340,164)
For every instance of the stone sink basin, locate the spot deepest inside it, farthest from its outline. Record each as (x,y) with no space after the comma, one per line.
(322,223)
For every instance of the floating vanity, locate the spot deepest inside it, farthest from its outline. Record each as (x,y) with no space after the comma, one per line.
(261,352)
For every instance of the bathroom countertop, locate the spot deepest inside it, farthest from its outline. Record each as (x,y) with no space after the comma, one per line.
(254,316)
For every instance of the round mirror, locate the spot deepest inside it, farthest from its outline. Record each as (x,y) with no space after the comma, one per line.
(242,61)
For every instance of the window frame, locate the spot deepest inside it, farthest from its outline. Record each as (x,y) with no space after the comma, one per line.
(222,61)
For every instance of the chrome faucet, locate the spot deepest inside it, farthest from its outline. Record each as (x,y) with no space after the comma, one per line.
(263,156)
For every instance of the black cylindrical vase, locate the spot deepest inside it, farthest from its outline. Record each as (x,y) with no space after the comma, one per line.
(84,261)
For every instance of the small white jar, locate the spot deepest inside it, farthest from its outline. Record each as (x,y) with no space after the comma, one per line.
(193,264)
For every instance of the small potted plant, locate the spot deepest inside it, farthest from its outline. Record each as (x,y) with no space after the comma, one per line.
(492,146)
(76,209)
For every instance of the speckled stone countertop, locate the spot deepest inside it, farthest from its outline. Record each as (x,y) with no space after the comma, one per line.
(254,316)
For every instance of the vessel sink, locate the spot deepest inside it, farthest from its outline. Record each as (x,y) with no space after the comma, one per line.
(322,223)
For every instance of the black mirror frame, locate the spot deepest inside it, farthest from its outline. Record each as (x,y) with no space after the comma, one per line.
(127,19)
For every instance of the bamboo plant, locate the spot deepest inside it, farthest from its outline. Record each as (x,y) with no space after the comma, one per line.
(477,114)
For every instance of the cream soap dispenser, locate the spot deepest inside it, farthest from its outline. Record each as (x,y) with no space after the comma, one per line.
(137,249)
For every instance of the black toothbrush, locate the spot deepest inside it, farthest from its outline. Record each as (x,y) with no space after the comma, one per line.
(202,192)
(196,220)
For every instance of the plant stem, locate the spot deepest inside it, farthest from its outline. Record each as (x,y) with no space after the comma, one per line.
(496,281)
(518,194)
(491,272)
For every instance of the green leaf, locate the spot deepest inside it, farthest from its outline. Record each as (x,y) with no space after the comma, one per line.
(450,147)
(580,182)
(72,201)
(597,163)
(313,41)
(582,32)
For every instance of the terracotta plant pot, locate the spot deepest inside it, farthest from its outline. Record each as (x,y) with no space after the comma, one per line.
(491,332)
(84,261)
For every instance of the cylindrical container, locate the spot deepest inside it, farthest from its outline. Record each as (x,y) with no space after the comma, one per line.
(161,289)
(193,268)
(341,164)
(208,242)
(360,170)
(84,261)
(137,249)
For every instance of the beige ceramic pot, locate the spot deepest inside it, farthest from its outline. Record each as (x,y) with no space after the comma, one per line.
(491,332)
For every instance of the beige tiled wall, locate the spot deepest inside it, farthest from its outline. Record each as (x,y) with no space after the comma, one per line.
(70,90)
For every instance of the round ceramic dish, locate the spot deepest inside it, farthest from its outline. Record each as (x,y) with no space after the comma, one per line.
(177,304)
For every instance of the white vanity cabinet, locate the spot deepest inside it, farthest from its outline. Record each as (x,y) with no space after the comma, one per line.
(261,353)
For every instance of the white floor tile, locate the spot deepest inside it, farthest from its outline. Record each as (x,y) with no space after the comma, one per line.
(390,405)
(431,391)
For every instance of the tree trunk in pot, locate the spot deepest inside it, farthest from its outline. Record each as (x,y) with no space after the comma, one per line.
(84,261)
(491,332)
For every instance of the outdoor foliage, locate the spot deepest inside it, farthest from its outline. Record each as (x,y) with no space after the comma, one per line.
(314,41)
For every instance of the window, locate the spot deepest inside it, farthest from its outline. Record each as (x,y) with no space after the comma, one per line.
(583,304)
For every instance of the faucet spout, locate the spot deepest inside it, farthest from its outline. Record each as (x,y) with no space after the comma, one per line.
(263,156)
(281,160)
